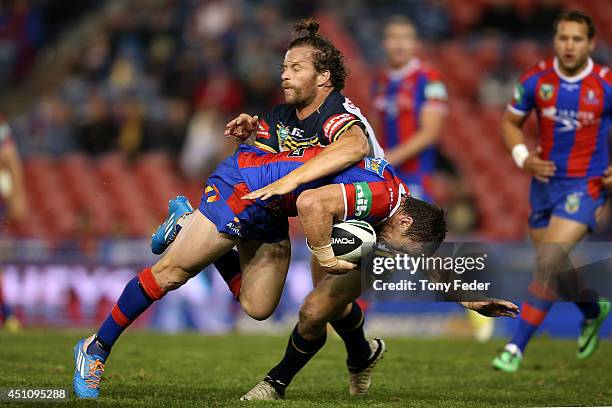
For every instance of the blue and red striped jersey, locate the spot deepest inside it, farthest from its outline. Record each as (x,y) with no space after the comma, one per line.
(372,190)
(574,115)
(399,98)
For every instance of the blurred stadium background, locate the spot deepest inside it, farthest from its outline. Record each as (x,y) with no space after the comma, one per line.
(117,106)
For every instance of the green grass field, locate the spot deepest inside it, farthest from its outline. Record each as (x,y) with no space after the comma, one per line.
(190,370)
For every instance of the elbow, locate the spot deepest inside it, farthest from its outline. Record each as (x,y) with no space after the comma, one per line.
(361,149)
(309,203)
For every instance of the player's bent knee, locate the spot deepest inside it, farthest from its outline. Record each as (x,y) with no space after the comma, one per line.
(256,310)
(316,310)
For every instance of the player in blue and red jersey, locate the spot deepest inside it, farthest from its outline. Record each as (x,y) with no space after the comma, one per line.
(572,97)
(410,105)
(259,229)
(12,202)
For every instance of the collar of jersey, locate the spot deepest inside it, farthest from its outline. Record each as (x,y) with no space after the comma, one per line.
(401,193)
(403,72)
(578,77)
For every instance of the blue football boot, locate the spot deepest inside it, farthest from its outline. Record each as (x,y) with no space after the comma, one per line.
(88,371)
(166,233)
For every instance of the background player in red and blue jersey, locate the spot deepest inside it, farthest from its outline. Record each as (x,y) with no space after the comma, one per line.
(572,97)
(409,100)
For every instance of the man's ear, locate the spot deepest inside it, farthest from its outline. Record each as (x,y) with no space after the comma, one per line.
(323,78)
(405,222)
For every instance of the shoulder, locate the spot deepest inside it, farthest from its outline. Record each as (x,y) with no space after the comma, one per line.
(535,72)
(430,73)
(603,72)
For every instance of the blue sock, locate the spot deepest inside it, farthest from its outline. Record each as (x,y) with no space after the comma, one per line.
(533,313)
(138,295)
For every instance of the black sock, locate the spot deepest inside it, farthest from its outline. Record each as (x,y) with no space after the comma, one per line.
(350,329)
(228,265)
(299,352)
(590,310)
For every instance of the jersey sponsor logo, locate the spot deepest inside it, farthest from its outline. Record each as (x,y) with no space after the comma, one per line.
(336,123)
(363,199)
(570,119)
(376,165)
(546,91)
(234,226)
(436,90)
(518,93)
(263,129)
(572,202)
(570,87)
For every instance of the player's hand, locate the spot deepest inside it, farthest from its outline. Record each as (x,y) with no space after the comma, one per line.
(341,268)
(242,127)
(538,168)
(281,186)
(607,179)
(493,307)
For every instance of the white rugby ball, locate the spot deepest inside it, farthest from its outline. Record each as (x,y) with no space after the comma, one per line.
(348,238)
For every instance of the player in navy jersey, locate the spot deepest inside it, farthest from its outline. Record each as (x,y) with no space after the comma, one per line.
(409,99)
(315,112)
(572,97)
(12,201)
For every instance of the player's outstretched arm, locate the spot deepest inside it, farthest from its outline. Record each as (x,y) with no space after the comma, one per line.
(349,149)
(493,307)
(318,209)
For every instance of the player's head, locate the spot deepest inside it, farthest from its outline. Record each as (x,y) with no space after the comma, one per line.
(312,64)
(574,34)
(399,40)
(417,227)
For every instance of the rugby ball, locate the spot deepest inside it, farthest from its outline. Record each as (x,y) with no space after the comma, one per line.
(348,237)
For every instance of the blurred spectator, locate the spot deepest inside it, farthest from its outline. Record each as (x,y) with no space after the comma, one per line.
(205,143)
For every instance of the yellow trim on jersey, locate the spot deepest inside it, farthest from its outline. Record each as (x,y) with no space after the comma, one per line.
(344,129)
(265,147)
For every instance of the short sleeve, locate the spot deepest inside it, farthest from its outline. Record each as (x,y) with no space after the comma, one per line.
(435,94)
(523,95)
(265,137)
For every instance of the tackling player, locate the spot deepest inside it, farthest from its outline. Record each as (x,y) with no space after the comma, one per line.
(314,113)
(12,200)
(572,97)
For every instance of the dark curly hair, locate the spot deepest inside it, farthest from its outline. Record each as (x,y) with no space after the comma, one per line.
(428,223)
(327,57)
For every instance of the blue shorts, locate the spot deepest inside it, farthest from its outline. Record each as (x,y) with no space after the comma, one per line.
(221,203)
(418,184)
(570,198)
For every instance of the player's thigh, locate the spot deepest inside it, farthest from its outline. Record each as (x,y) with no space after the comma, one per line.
(264,269)
(537,234)
(197,246)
